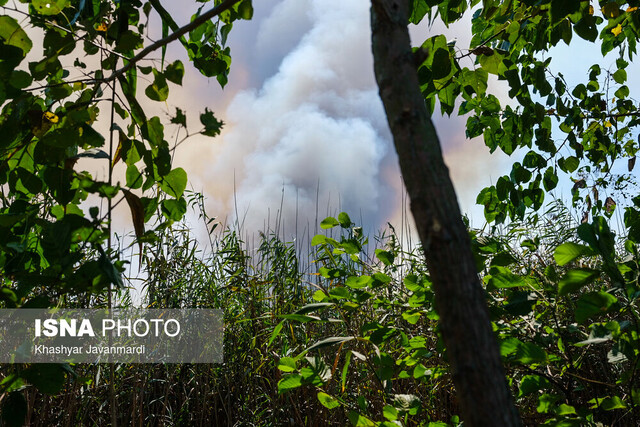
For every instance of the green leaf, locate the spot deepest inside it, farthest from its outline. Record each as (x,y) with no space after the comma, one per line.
(411,316)
(245,10)
(358,282)
(313,307)
(14,35)
(382,334)
(329,222)
(564,409)
(546,402)
(7,294)
(412,282)
(158,90)
(358,420)
(302,318)
(567,252)
(587,28)
(441,67)
(12,382)
(328,342)
(20,79)
(174,209)
(275,333)
(287,364)
(174,72)
(385,256)
(381,277)
(532,384)
(110,271)
(49,7)
(503,259)
(344,220)
(502,277)
(570,164)
(328,401)
(508,346)
(620,76)
(289,382)
(490,63)
(622,92)
(129,90)
(593,303)
(174,183)
(180,118)
(521,303)
(420,371)
(134,177)
(150,205)
(153,131)
(550,180)
(319,295)
(345,370)
(419,9)
(390,413)
(212,126)
(608,403)
(528,353)
(576,279)
(318,239)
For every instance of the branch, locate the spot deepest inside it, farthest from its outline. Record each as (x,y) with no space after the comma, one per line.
(225,5)
(147,50)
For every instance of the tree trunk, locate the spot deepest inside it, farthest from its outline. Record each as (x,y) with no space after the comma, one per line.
(482,391)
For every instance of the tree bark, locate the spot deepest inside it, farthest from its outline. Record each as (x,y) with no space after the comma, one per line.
(482,390)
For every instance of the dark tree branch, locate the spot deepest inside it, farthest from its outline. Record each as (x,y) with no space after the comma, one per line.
(131,62)
(472,350)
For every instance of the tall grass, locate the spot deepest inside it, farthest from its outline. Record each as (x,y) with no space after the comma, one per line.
(260,284)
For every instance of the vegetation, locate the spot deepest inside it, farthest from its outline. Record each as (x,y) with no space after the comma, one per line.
(358,332)
(360,341)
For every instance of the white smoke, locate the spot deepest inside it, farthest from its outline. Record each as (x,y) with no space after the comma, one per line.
(309,137)
(315,129)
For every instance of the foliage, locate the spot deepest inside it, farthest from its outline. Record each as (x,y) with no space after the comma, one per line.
(48,121)
(359,340)
(565,314)
(580,131)
(55,218)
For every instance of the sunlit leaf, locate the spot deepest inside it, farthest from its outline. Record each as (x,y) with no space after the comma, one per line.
(49,7)
(289,382)
(13,34)
(569,251)
(174,183)
(328,401)
(576,279)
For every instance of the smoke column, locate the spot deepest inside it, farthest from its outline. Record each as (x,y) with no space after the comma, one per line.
(314,136)
(308,137)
